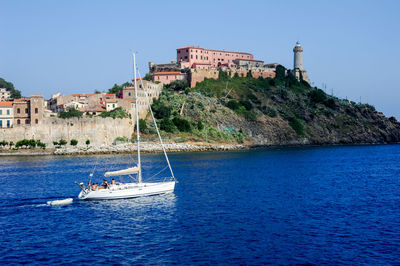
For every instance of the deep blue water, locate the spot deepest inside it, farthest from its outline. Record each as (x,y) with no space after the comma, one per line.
(318,205)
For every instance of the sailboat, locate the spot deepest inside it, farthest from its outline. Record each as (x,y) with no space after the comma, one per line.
(119,190)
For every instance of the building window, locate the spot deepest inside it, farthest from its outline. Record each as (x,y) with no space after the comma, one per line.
(18,111)
(36,110)
(179,51)
(18,122)
(113,105)
(1,123)
(26,110)
(191,56)
(185,56)
(26,121)
(1,112)
(36,121)
(201,57)
(8,123)
(129,94)
(8,112)
(187,50)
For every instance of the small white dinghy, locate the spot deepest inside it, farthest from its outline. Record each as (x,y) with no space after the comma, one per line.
(60,202)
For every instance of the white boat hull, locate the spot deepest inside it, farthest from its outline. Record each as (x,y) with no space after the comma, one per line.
(128,190)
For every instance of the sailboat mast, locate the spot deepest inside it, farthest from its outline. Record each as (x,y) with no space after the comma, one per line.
(137,120)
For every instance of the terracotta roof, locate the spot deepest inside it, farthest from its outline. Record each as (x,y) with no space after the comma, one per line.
(111,100)
(129,100)
(6,104)
(110,94)
(22,100)
(79,94)
(201,64)
(92,109)
(167,73)
(186,47)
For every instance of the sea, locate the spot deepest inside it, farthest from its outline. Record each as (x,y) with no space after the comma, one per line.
(300,205)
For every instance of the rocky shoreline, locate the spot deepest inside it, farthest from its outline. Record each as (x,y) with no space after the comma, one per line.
(128,148)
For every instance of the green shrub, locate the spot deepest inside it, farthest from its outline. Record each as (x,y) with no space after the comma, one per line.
(121,139)
(246,104)
(3,143)
(182,124)
(62,142)
(161,110)
(296,125)
(72,112)
(200,125)
(167,125)
(73,142)
(317,96)
(87,142)
(269,111)
(116,113)
(142,125)
(178,85)
(234,105)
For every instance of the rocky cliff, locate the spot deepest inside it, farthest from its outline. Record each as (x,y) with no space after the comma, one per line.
(276,111)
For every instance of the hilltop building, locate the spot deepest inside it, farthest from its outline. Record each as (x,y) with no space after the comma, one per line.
(5,95)
(194,64)
(298,70)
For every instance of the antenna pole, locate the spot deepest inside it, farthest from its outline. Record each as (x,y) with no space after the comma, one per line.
(137,120)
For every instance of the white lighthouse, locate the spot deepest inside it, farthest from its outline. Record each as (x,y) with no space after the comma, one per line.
(298,56)
(298,70)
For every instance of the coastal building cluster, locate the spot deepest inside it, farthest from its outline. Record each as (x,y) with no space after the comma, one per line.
(31,111)
(193,65)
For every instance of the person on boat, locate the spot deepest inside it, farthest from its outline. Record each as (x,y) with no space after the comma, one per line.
(89,184)
(94,186)
(105,183)
(113,181)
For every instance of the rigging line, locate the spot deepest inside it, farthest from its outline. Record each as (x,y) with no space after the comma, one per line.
(155,123)
(159,172)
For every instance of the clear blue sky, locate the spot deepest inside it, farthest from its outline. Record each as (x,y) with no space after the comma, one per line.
(80,46)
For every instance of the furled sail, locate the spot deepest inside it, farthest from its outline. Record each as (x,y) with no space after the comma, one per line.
(128,171)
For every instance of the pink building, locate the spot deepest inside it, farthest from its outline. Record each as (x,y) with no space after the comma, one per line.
(168,77)
(200,58)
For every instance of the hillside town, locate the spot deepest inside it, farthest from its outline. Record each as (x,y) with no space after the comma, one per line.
(193,64)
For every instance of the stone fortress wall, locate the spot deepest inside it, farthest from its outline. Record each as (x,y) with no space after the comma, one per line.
(100,131)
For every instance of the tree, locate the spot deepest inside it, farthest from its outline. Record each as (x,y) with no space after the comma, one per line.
(280,72)
(148,77)
(178,85)
(167,125)
(72,112)
(62,142)
(116,89)
(142,125)
(160,109)
(15,94)
(87,142)
(182,124)
(74,142)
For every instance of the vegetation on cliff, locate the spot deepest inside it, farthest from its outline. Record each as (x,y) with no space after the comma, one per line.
(282,110)
(15,94)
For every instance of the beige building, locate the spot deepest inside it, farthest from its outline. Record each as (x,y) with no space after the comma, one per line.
(6,114)
(29,111)
(5,95)
(111,104)
(36,109)
(22,111)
